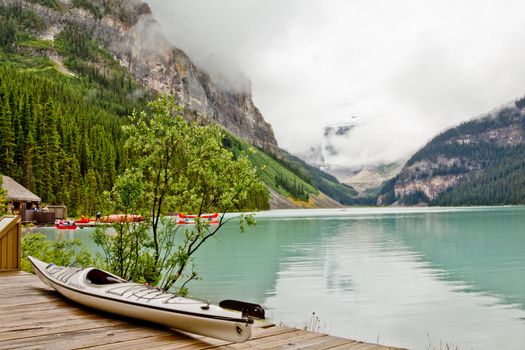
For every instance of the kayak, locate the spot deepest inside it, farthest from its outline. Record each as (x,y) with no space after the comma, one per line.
(230,320)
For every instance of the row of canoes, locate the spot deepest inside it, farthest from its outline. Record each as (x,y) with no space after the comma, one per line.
(181,219)
(83,222)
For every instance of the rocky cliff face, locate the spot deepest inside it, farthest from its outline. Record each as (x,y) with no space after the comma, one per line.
(153,61)
(467,154)
(422,177)
(131,34)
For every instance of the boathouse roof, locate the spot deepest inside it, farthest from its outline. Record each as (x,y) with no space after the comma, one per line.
(17,192)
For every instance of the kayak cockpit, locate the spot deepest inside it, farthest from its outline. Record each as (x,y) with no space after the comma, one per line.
(99,277)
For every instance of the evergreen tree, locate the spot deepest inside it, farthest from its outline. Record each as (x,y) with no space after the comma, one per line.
(75,185)
(27,164)
(90,193)
(7,137)
(50,155)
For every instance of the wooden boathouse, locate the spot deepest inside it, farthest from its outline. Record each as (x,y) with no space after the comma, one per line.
(23,202)
(20,201)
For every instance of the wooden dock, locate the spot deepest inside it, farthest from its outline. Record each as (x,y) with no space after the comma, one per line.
(33,316)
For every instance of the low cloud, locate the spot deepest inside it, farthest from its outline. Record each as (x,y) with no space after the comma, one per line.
(406,69)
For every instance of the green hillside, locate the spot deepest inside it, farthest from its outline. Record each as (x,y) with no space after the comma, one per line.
(59,136)
(326,183)
(293,177)
(502,182)
(278,176)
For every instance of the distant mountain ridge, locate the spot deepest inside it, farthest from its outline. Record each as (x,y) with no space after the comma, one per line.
(480,162)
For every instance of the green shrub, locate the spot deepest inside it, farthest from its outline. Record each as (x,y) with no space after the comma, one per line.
(62,252)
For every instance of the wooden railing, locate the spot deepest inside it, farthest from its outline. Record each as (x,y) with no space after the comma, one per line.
(10,249)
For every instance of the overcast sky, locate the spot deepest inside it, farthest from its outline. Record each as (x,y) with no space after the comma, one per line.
(405,69)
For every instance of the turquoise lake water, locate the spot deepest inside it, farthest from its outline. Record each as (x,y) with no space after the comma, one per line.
(410,277)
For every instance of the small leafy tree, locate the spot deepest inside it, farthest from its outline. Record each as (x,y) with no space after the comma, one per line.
(127,251)
(179,167)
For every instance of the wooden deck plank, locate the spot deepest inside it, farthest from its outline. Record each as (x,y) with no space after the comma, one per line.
(276,341)
(55,316)
(14,300)
(322,342)
(23,294)
(262,333)
(28,331)
(11,277)
(85,338)
(43,307)
(269,332)
(328,343)
(39,318)
(10,274)
(15,280)
(152,342)
(359,345)
(299,342)
(261,330)
(37,307)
